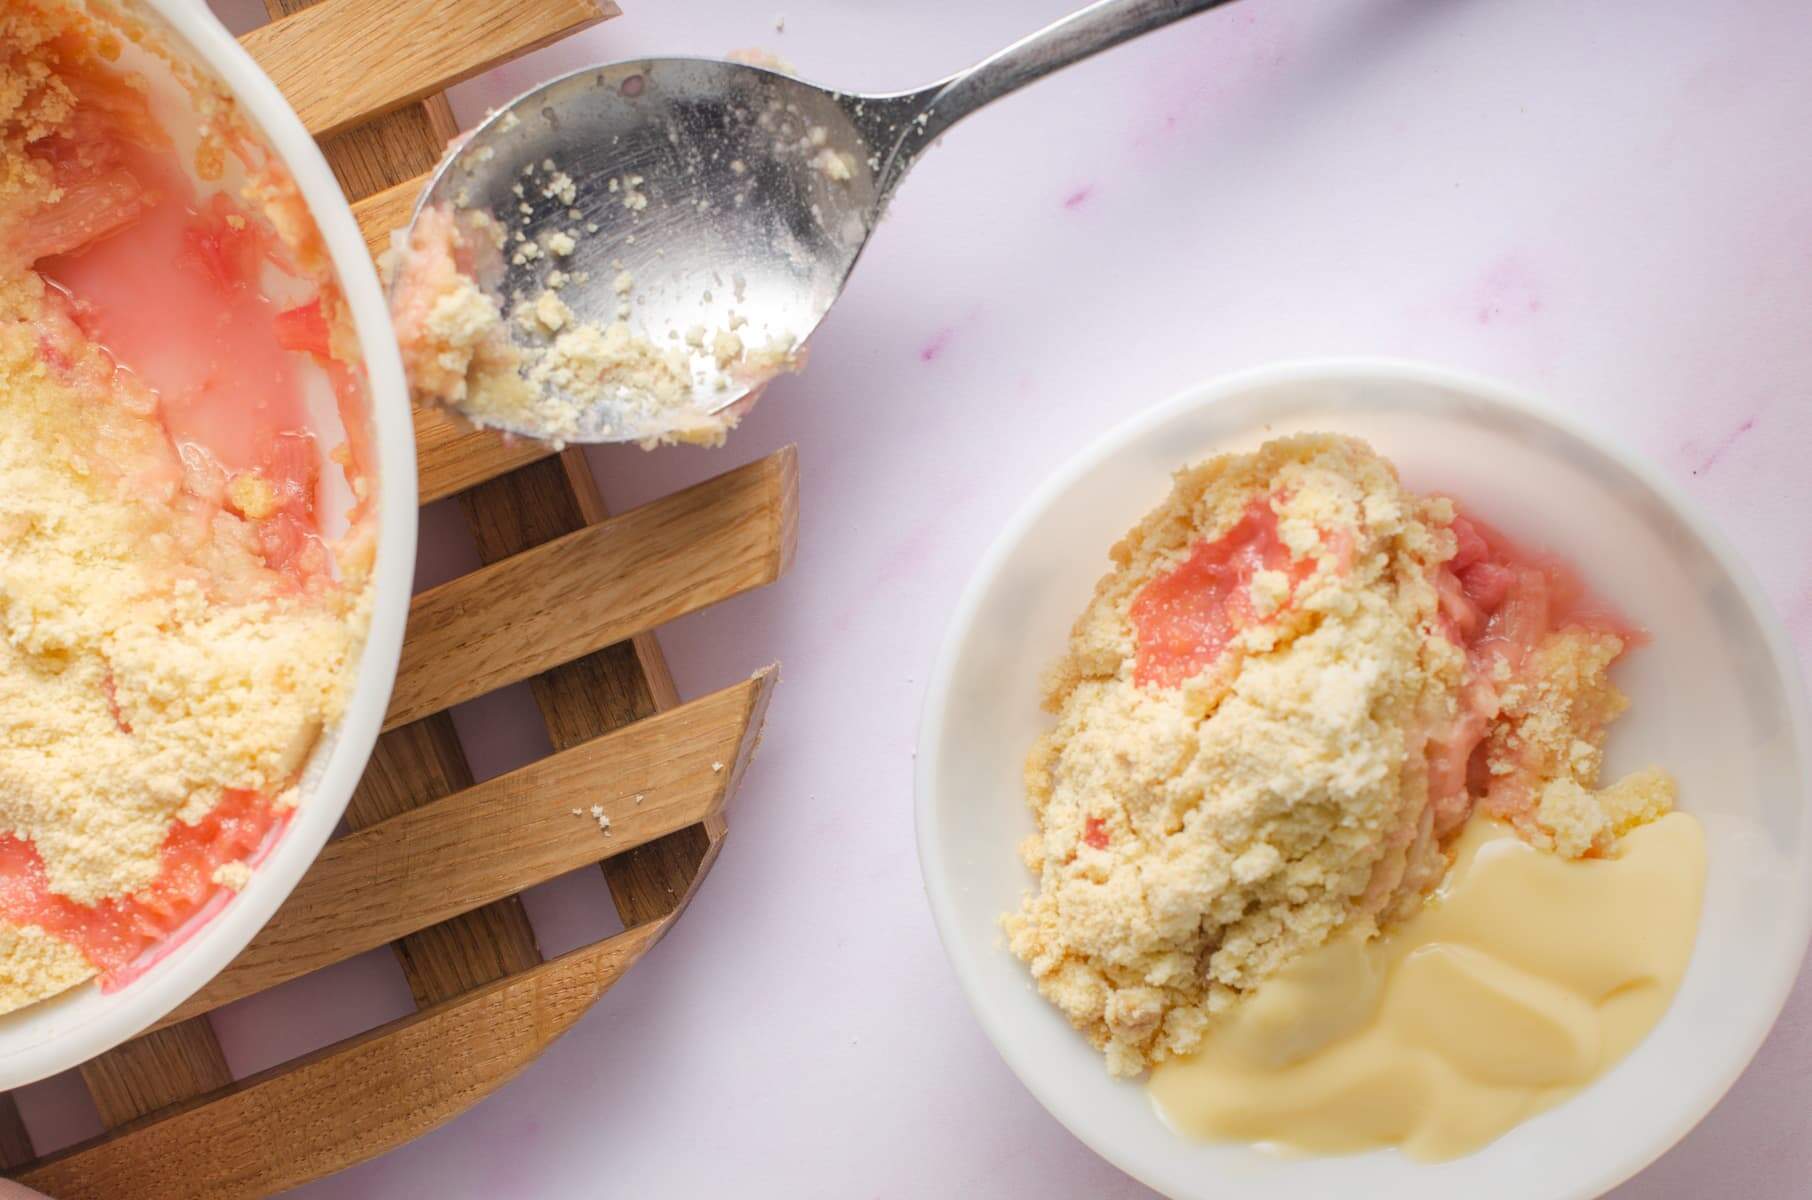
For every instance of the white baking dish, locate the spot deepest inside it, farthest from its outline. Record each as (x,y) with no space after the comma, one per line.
(63,1032)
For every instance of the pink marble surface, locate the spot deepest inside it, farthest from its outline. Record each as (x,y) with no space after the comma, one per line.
(1605,202)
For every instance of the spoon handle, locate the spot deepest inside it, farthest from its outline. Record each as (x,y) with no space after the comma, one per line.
(1100,26)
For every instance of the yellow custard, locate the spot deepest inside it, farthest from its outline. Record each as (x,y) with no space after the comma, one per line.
(1524,978)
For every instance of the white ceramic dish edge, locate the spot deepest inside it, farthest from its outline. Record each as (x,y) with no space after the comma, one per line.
(1641,1149)
(68,1030)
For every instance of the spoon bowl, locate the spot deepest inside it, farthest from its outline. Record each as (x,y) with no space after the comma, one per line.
(710,196)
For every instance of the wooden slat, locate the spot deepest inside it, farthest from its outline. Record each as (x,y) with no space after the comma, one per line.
(592,695)
(501,836)
(389,149)
(392,149)
(411,767)
(451,456)
(381,213)
(303,1119)
(343,61)
(652,690)
(602,691)
(154,1071)
(607,582)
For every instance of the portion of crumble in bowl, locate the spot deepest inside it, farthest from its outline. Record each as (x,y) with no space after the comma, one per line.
(1281,705)
(181,616)
(530,364)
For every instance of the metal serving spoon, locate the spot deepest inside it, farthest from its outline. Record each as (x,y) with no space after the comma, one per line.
(719,196)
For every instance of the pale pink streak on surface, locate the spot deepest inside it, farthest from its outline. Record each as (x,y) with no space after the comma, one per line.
(936,344)
(1710,458)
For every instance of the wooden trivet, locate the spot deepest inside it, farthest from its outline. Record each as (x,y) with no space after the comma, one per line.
(567,599)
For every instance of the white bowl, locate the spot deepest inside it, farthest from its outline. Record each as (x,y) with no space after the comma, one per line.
(1716,699)
(70,1029)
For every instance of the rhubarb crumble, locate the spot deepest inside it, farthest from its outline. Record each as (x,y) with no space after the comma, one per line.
(180,613)
(1276,714)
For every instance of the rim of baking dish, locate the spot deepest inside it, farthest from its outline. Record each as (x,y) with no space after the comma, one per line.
(65,1031)
(1642,1149)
